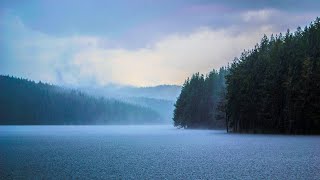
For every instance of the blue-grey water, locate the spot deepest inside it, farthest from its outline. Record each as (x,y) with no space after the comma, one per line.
(153,152)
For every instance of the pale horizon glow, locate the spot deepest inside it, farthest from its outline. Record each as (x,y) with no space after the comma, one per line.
(140,55)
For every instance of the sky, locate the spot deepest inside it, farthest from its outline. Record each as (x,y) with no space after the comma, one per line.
(139,43)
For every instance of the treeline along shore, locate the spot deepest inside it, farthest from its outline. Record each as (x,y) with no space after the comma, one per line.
(272,88)
(25,102)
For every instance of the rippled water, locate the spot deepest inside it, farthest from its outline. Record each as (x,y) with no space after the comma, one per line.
(153,152)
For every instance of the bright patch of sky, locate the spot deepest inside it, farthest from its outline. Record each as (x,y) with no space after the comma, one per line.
(141,43)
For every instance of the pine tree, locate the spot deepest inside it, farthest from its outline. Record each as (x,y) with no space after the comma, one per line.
(275,86)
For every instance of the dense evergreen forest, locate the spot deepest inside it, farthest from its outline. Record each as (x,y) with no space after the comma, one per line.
(26,102)
(275,87)
(199,101)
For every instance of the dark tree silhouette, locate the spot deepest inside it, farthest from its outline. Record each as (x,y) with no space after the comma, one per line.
(275,87)
(197,105)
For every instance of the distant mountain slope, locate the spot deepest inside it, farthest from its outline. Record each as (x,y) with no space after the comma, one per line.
(165,92)
(158,98)
(26,102)
(163,107)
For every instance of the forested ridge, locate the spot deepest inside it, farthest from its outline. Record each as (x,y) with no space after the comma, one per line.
(27,102)
(273,88)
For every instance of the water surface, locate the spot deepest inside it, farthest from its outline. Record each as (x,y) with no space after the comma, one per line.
(153,152)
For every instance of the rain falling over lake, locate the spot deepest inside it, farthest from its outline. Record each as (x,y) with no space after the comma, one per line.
(153,152)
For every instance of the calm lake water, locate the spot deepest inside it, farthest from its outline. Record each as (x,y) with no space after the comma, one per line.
(153,152)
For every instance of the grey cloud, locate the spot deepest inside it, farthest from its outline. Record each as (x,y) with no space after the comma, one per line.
(78,60)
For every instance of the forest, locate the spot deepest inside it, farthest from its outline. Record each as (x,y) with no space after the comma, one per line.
(29,103)
(275,87)
(198,105)
(272,88)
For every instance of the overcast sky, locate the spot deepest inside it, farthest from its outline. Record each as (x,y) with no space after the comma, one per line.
(141,43)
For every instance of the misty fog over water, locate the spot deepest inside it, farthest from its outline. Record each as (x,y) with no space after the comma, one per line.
(159,89)
(153,152)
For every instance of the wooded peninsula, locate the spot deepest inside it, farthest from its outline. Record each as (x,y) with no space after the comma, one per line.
(272,88)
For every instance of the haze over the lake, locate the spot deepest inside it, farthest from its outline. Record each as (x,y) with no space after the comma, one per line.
(153,152)
(140,43)
(159,89)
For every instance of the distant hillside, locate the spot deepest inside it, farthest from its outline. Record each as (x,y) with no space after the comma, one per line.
(165,92)
(158,98)
(163,107)
(27,102)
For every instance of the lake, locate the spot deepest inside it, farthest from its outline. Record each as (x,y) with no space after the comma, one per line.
(153,152)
